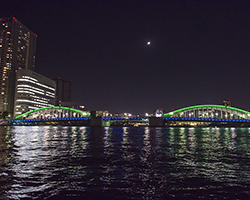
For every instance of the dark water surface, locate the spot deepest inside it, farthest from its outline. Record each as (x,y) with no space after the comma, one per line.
(124,163)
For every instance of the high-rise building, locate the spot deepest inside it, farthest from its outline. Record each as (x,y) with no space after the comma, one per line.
(17,51)
(33,91)
(63,90)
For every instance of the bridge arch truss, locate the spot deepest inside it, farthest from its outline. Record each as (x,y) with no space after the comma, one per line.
(210,111)
(53,112)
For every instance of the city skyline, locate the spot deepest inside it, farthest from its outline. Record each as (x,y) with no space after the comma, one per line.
(198,51)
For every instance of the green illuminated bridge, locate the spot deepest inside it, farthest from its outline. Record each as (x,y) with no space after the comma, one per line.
(198,113)
(210,111)
(53,112)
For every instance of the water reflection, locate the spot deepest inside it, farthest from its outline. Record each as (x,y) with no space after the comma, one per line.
(123,162)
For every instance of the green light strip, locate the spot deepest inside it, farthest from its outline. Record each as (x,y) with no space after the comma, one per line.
(53,107)
(203,106)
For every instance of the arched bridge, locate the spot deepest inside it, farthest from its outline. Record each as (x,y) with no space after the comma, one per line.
(209,113)
(53,112)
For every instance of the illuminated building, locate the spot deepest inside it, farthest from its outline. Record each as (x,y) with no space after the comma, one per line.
(227,102)
(63,90)
(159,112)
(33,91)
(17,51)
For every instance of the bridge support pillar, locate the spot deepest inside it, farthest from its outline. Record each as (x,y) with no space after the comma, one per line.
(156,121)
(99,121)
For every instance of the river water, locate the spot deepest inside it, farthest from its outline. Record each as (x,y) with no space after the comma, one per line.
(53,162)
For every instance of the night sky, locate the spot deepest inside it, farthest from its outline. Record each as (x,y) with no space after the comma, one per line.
(199,51)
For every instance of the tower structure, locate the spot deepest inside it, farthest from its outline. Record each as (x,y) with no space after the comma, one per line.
(63,90)
(17,51)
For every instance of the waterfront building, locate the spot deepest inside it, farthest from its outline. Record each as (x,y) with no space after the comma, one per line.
(227,102)
(17,51)
(63,90)
(71,104)
(33,91)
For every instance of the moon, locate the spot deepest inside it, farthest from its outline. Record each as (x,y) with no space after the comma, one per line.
(148,43)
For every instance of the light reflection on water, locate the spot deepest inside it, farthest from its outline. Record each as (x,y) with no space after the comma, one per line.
(124,163)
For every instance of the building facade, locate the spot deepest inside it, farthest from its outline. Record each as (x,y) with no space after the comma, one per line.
(33,91)
(17,51)
(63,90)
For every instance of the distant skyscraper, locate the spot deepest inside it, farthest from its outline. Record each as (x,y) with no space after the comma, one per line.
(63,90)
(17,51)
